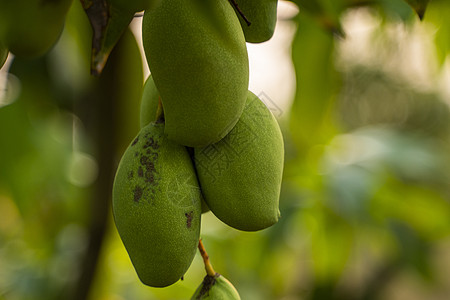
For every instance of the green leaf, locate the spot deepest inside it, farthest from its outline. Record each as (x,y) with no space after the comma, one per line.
(437,14)
(108,24)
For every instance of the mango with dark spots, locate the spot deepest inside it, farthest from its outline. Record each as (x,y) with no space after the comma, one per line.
(240,176)
(262,15)
(157,207)
(198,58)
(149,102)
(29,28)
(148,113)
(216,288)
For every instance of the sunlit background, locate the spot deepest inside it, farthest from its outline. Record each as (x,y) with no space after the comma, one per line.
(362,96)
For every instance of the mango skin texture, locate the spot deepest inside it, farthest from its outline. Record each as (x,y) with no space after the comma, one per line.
(149,108)
(29,28)
(149,102)
(133,5)
(263,16)
(199,62)
(216,288)
(240,176)
(156,206)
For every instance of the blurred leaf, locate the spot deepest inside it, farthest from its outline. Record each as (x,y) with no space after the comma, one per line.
(397,9)
(413,250)
(423,209)
(331,244)
(325,12)
(437,15)
(312,55)
(419,6)
(349,190)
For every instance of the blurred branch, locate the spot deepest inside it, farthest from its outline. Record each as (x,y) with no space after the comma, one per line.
(99,111)
(382,277)
(372,291)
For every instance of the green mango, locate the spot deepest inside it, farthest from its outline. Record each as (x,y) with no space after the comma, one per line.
(262,14)
(157,207)
(149,102)
(149,109)
(198,58)
(3,55)
(205,207)
(240,176)
(29,28)
(133,5)
(216,288)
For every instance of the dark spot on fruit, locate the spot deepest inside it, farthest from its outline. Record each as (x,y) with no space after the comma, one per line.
(135,141)
(144,160)
(138,193)
(189,217)
(151,143)
(147,168)
(207,284)
(150,166)
(153,156)
(136,154)
(130,175)
(182,278)
(149,177)
(148,143)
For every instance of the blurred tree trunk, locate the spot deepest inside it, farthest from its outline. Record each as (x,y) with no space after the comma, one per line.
(100,113)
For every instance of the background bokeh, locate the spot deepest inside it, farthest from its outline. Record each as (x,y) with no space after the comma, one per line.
(361,90)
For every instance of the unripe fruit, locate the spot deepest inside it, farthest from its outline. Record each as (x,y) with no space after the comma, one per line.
(148,114)
(240,176)
(156,206)
(133,5)
(216,288)
(29,28)
(199,62)
(149,102)
(263,16)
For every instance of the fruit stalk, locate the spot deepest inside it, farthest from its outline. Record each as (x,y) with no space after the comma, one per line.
(234,3)
(208,267)
(159,112)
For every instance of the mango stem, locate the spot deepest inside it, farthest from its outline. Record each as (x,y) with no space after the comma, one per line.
(159,112)
(208,267)
(238,9)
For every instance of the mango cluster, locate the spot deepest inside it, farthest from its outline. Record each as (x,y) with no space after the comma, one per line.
(206,142)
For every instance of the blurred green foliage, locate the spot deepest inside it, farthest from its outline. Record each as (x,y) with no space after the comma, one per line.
(365,199)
